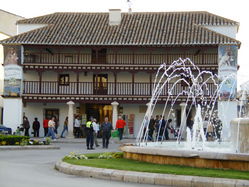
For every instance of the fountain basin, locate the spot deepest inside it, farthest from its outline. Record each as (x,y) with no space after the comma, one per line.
(193,158)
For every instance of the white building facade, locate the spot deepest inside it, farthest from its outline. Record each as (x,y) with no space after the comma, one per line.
(95,61)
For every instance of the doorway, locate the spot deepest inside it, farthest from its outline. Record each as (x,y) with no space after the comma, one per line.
(99,111)
(100,82)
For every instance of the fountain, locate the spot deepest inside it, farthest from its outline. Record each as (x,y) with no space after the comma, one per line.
(202,96)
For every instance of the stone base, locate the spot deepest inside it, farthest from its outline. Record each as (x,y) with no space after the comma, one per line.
(188,158)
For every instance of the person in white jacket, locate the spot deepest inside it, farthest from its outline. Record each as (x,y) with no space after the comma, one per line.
(95,133)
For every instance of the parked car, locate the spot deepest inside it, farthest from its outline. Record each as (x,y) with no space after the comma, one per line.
(5,130)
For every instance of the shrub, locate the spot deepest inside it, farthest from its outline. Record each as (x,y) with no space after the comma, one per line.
(73,155)
(12,139)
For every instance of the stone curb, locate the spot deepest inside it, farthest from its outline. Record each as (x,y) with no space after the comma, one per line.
(29,147)
(148,178)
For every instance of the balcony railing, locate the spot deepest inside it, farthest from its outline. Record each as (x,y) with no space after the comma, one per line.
(111,88)
(116,58)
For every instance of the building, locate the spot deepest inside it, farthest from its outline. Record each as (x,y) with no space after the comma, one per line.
(7,29)
(104,60)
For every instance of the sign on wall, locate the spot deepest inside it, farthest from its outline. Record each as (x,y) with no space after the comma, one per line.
(12,72)
(228,71)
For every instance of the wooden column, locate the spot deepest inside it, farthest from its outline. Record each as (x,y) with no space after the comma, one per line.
(115,82)
(77,84)
(150,83)
(40,81)
(133,81)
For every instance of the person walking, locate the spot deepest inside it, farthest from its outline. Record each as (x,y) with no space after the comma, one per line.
(120,124)
(106,129)
(45,126)
(65,127)
(26,126)
(77,127)
(51,128)
(36,127)
(89,134)
(95,133)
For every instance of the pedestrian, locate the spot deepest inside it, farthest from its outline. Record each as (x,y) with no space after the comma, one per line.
(89,134)
(65,127)
(56,125)
(120,124)
(77,127)
(151,128)
(95,133)
(36,127)
(168,126)
(51,128)
(26,126)
(106,129)
(45,126)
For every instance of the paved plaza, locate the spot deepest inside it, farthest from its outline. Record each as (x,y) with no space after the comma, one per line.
(24,168)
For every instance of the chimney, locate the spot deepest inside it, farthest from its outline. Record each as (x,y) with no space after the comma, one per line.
(114,16)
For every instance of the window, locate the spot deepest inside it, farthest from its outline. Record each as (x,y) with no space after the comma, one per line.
(64,79)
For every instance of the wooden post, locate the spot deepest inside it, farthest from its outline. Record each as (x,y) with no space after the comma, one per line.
(150,83)
(133,81)
(77,84)
(115,83)
(40,81)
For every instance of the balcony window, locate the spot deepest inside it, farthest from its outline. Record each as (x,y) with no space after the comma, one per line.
(64,79)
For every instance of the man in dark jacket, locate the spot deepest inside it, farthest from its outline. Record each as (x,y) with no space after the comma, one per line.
(26,126)
(89,134)
(106,128)
(36,127)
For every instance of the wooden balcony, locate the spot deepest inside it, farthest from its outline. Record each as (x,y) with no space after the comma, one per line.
(84,61)
(125,91)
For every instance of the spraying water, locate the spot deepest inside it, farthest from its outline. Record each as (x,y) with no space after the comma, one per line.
(199,90)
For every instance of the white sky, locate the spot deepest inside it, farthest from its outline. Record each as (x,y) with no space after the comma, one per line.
(236,10)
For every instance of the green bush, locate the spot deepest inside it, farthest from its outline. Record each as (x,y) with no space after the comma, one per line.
(13,139)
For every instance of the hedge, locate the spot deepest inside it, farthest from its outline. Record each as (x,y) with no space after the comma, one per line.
(12,139)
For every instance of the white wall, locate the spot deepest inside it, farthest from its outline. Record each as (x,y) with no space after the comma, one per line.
(8,22)
(229,31)
(12,112)
(21,28)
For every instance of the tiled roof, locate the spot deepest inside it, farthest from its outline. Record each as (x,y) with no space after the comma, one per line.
(150,28)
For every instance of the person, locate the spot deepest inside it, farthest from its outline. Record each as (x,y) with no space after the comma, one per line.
(45,126)
(77,127)
(36,127)
(89,134)
(151,128)
(166,129)
(106,128)
(26,126)
(210,132)
(56,125)
(95,133)
(51,128)
(120,124)
(157,126)
(65,127)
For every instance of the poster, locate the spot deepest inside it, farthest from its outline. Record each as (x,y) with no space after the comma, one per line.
(227,71)
(12,72)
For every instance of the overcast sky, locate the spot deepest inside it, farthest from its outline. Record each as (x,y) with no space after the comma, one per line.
(236,10)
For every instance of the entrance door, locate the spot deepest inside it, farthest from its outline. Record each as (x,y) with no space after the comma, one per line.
(99,111)
(100,82)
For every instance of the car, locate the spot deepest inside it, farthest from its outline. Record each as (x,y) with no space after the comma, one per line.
(5,130)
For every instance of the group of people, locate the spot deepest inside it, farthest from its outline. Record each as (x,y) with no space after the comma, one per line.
(25,126)
(91,128)
(158,128)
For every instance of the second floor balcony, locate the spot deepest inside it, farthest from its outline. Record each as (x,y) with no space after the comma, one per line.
(103,89)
